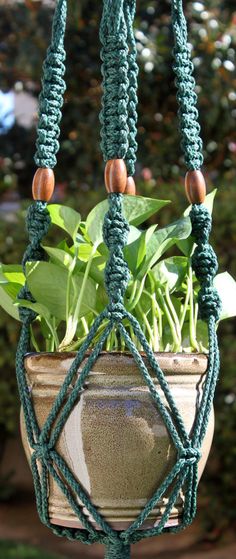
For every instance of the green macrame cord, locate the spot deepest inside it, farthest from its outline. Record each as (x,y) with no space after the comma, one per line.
(118,119)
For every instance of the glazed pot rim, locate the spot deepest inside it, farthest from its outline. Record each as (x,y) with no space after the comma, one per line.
(173,363)
(168,354)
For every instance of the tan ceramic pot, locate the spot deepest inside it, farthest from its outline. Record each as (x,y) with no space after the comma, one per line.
(115,441)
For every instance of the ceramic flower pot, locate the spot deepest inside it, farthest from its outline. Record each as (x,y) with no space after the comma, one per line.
(115,441)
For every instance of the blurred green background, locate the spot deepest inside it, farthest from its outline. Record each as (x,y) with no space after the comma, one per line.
(24,36)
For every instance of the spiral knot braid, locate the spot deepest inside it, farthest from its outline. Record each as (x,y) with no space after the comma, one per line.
(204,263)
(115,233)
(51,97)
(37,223)
(129,9)
(114,56)
(201,222)
(188,114)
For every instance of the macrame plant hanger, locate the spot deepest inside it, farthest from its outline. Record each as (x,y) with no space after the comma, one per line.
(118,119)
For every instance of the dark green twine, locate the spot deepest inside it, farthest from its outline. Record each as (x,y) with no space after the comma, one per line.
(119,70)
(118,50)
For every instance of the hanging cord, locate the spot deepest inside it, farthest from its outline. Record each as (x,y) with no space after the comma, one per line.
(118,138)
(51,96)
(114,54)
(186,96)
(118,116)
(130,9)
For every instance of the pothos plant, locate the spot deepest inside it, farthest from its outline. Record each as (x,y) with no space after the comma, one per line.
(68,288)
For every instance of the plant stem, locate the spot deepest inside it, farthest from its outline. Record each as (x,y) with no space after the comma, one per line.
(33,339)
(146,322)
(155,325)
(173,312)
(72,321)
(192,328)
(138,295)
(176,344)
(186,302)
(133,291)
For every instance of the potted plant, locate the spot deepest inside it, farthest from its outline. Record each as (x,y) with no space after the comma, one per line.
(115,441)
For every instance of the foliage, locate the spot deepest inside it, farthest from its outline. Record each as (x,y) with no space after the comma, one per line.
(69,292)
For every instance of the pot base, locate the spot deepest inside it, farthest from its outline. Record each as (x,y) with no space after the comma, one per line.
(118,526)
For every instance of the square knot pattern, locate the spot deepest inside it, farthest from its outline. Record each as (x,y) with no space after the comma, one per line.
(190,455)
(42,452)
(115,311)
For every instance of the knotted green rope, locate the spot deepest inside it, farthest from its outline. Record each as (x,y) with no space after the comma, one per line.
(118,140)
(118,116)
(187,98)
(53,88)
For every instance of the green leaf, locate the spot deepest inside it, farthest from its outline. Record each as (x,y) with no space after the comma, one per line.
(162,240)
(11,273)
(8,294)
(209,202)
(135,251)
(137,209)
(171,271)
(186,245)
(66,218)
(48,282)
(226,287)
(94,222)
(40,309)
(59,256)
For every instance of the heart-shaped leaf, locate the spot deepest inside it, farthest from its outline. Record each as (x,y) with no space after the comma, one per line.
(8,295)
(48,285)
(226,287)
(137,209)
(162,240)
(171,271)
(66,218)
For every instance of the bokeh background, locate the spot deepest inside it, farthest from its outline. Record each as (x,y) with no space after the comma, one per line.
(24,36)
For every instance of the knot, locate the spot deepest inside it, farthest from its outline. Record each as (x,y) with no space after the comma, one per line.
(116,227)
(201,222)
(50,103)
(42,452)
(190,455)
(204,262)
(26,314)
(116,549)
(37,222)
(116,277)
(116,311)
(114,55)
(115,234)
(209,303)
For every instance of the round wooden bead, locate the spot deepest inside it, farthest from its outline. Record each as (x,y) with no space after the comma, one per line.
(43,184)
(130,186)
(115,175)
(195,187)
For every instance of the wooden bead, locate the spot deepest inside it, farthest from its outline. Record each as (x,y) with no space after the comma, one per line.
(130,186)
(115,175)
(43,184)
(195,187)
